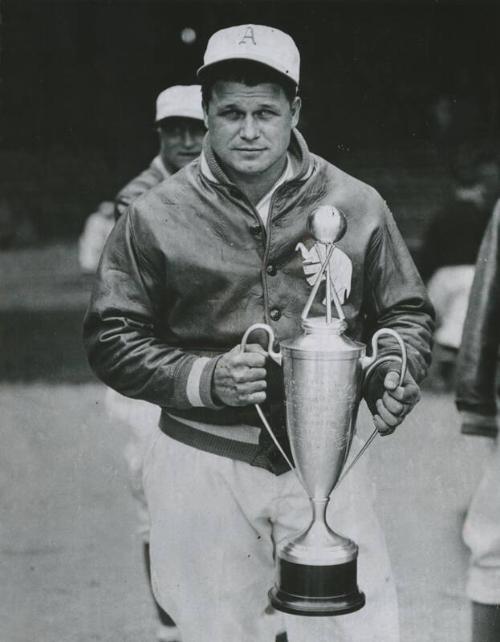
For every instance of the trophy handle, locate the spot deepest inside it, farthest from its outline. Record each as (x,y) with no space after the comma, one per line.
(369,364)
(277,358)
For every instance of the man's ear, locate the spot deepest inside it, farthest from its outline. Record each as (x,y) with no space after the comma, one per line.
(296,107)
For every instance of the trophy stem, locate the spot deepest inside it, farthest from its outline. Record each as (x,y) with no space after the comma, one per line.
(319,509)
(319,533)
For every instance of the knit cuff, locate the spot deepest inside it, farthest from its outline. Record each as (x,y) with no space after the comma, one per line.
(477,424)
(199,383)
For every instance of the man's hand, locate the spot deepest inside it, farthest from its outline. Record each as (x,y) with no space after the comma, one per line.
(240,377)
(388,401)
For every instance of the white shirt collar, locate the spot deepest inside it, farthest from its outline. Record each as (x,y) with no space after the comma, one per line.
(264,205)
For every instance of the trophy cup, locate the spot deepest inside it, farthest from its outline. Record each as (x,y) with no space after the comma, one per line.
(323,373)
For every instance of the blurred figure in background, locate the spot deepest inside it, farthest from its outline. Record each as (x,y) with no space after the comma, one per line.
(477,390)
(16,227)
(179,122)
(180,130)
(94,235)
(451,245)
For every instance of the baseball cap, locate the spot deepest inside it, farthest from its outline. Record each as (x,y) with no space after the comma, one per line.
(181,100)
(259,43)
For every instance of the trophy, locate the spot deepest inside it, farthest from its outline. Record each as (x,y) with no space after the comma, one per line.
(323,373)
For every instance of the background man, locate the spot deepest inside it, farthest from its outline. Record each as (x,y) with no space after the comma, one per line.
(179,123)
(477,387)
(193,264)
(451,245)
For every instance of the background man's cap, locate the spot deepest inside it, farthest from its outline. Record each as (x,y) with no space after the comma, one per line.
(179,101)
(266,45)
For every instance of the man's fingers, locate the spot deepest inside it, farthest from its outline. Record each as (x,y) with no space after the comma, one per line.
(244,374)
(391,381)
(256,397)
(382,427)
(247,398)
(409,394)
(250,387)
(386,416)
(394,406)
(251,359)
(254,348)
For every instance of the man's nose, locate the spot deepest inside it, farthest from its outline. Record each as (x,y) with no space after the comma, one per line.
(249,129)
(188,138)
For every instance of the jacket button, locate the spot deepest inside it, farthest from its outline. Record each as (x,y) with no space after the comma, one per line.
(256,230)
(275,314)
(271,270)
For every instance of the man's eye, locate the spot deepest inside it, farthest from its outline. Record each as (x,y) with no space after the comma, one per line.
(231,114)
(265,114)
(174,132)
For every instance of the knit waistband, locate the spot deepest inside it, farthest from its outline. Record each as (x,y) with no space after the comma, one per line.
(213,438)
(241,442)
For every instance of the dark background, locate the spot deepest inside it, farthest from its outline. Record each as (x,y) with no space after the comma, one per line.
(79,80)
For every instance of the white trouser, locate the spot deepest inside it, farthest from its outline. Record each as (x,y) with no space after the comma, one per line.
(482,535)
(142,417)
(214,525)
(449,290)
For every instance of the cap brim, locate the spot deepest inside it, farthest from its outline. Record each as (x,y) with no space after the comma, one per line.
(201,71)
(184,114)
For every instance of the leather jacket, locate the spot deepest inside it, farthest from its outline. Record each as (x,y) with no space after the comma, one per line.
(191,266)
(151,176)
(478,357)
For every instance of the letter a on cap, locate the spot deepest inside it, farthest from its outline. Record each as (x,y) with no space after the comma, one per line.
(248,35)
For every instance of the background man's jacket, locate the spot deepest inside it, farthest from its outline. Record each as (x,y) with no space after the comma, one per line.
(478,356)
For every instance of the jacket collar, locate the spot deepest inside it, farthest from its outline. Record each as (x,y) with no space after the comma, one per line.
(298,153)
(159,165)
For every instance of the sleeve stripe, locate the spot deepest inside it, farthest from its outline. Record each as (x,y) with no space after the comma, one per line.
(193,392)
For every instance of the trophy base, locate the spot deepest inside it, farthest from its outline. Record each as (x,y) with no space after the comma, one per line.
(317,590)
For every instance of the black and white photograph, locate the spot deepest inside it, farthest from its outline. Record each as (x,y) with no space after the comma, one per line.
(249,321)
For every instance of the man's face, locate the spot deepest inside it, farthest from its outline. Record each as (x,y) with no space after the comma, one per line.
(180,141)
(250,127)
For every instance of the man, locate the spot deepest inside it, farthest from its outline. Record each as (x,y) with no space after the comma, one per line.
(193,263)
(477,371)
(476,173)
(451,245)
(179,123)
